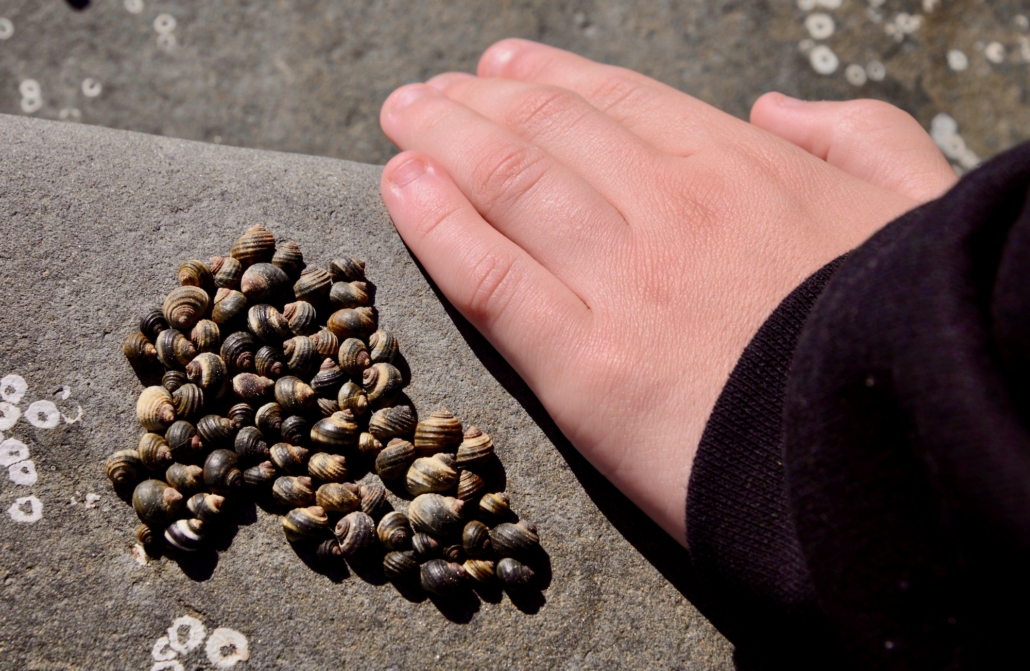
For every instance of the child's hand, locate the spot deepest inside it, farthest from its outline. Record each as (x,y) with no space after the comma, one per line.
(620,242)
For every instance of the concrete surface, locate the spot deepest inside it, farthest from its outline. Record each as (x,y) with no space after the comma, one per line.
(93,223)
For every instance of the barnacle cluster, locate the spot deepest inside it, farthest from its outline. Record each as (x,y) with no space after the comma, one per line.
(276,380)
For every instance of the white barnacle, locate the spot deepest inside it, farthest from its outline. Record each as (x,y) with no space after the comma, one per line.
(806,45)
(222,639)
(134,6)
(166,42)
(931,5)
(957,60)
(30,105)
(162,652)
(830,4)
(6,28)
(23,473)
(12,451)
(820,26)
(995,52)
(823,60)
(876,71)
(9,415)
(29,88)
(170,665)
(91,88)
(13,387)
(806,5)
(164,24)
(34,514)
(43,415)
(855,74)
(195,636)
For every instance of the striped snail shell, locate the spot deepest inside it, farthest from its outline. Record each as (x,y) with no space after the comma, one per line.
(335,432)
(290,459)
(256,245)
(221,474)
(383,345)
(328,552)
(470,487)
(215,431)
(395,459)
(447,459)
(206,336)
(269,362)
(174,350)
(352,397)
(369,446)
(184,306)
(513,574)
(154,453)
(475,448)
(123,467)
(336,498)
(155,502)
(227,272)
(267,324)
(152,323)
(196,274)
(301,356)
(436,515)
(289,259)
(250,445)
(262,475)
(400,565)
(189,401)
(373,498)
(352,322)
(428,474)
(443,578)
(183,440)
(514,540)
(480,570)
(327,406)
(347,270)
(313,285)
(264,283)
(293,491)
(186,479)
(241,415)
(145,535)
(238,352)
(353,357)
(294,395)
(302,317)
(475,539)
(208,372)
(155,409)
(139,351)
(251,388)
(382,381)
(398,420)
(185,535)
(328,379)
(326,344)
(302,523)
(205,507)
(173,379)
(425,546)
(296,430)
(326,467)
(496,506)
(394,531)
(348,295)
(438,432)
(229,305)
(269,419)
(355,532)
(454,553)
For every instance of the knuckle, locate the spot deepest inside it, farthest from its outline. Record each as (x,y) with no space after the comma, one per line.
(616,93)
(544,107)
(506,173)
(491,283)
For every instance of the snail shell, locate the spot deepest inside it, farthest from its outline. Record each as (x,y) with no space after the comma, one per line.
(196,274)
(470,487)
(440,431)
(352,397)
(496,506)
(475,539)
(309,522)
(382,382)
(394,531)
(327,406)
(369,446)
(261,475)
(480,570)
(251,388)
(155,502)
(254,246)
(145,535)
(301,356)
(388,423)
(294,395)
(139,351)
(215,431)
(155,409)
(313,285)
(264,283)
(352,322)
(334,497)
(436,515)
(428,475)
(302,318)
(328,552)
(353,357)
(328,379)
(123,467)
(425,546)
(454,553)
(187,480)
(174,350)
(188,400)
(184,306)
(269,419)
(268,324)
(154,453)
(241,415)
(395,459)
(289,259)
(221,474)
(205,507)
(250,445)
(183,440)
(326,344)
(347,270)
(326,467)
(208,372)
(373,498)
(185,535)
(442,577)
(269,362)
(513,574)
(227,272)
(290,458)
(348,295)
(400,565)
(238,352)
(384,346)
(206,336)
(173,379)
(152,323)
(228,306)
(514,540)
(335,432)
(447,459)
(293,491)
(295,430)
(355,532)
(475,448)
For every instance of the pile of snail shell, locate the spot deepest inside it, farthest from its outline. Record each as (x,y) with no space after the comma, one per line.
(277,381)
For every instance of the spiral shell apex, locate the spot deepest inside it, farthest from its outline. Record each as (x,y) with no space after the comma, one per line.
(400,565)
(313,285)
(154,453)
(208,372)
(394,531)
(227,272)
(256,245)
(496,506)
(440,431)
(264,283)
(185,535)
(443,578)
(289,259)
(174,350)
(301,356)
(384,346)
(336,498)
(228,306)
(325,343)
(185,306)
(369,446)
(155,502)
(347,270)
(373,498)
(382,382)
(250,445)
(428,475)
(302,318)
(215,431)
(183,440)
(187,480)
(261,475)
(139,351)
(475,448)
(221,474)
(475,539)
(355,533)
(145,535)
(353,357)
(206,336)
(196,274)
(123,467)
(290,458)
(470,487)
(335,432)
(352,322)
(205,507)
(238,352)
(268,362)
(328,379)
(436,515)
(326,467)
(173,379)
(241,415)
(352,397)
(152,323)
(395,459)
(268,324)
(155,409)
(269,419)
(348,295)
(425,546)
(309,522)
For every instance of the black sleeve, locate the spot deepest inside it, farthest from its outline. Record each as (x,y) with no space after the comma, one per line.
(861,494)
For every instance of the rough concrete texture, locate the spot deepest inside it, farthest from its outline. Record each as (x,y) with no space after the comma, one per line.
(94,223)
(309,76)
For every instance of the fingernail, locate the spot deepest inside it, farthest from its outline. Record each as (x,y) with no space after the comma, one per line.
(407,173)
(409,96)
(500,56)
(787,101)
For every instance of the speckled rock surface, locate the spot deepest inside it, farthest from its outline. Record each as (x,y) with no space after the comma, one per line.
(94,223)
(309,76)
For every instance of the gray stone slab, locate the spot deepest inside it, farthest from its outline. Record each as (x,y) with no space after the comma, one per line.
(93,223)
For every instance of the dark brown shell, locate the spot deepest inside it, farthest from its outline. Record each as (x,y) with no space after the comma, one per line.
(227,272)
(301,356)
(269,362)
(383,346)
(173,379)
(186,479)
(152,323)
(241,415)
(185,535)
(251,388)
(183,440)
(290,459)
(335,432)
(425,546)
(154,453)
(400,565)
(250,445)
(355,533)
(185,306)
(480,570)
(439,432)
(313,285)
(296,430)
(308,522)
(261,475)
(139,351)
(328,379)
(382,381)
(436,515)
(264,283)
(348,295)
(327,406)
(256,245)
(352,323)
(496,506)
(336,498)
(514,540)
(221,474)
(206,507)
(156,503)
(353,357)
(216,431)
(347,270)
(475,539)
(428,474)
(513,574)
(328,552)
(238,352)
(302,318)
(124,467)
(475,448)
(325,343)
(174,350)
(399,420)
(145,535)
(373,499)
(289,259)
(352,397)
(395,459)
(189,401)
(394,531)
(267,324)
(369,446)
(293,491)
(470,487)
(269,419)
(196,274)
(294,395)
(206,336)
(229,305)
(443,578)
